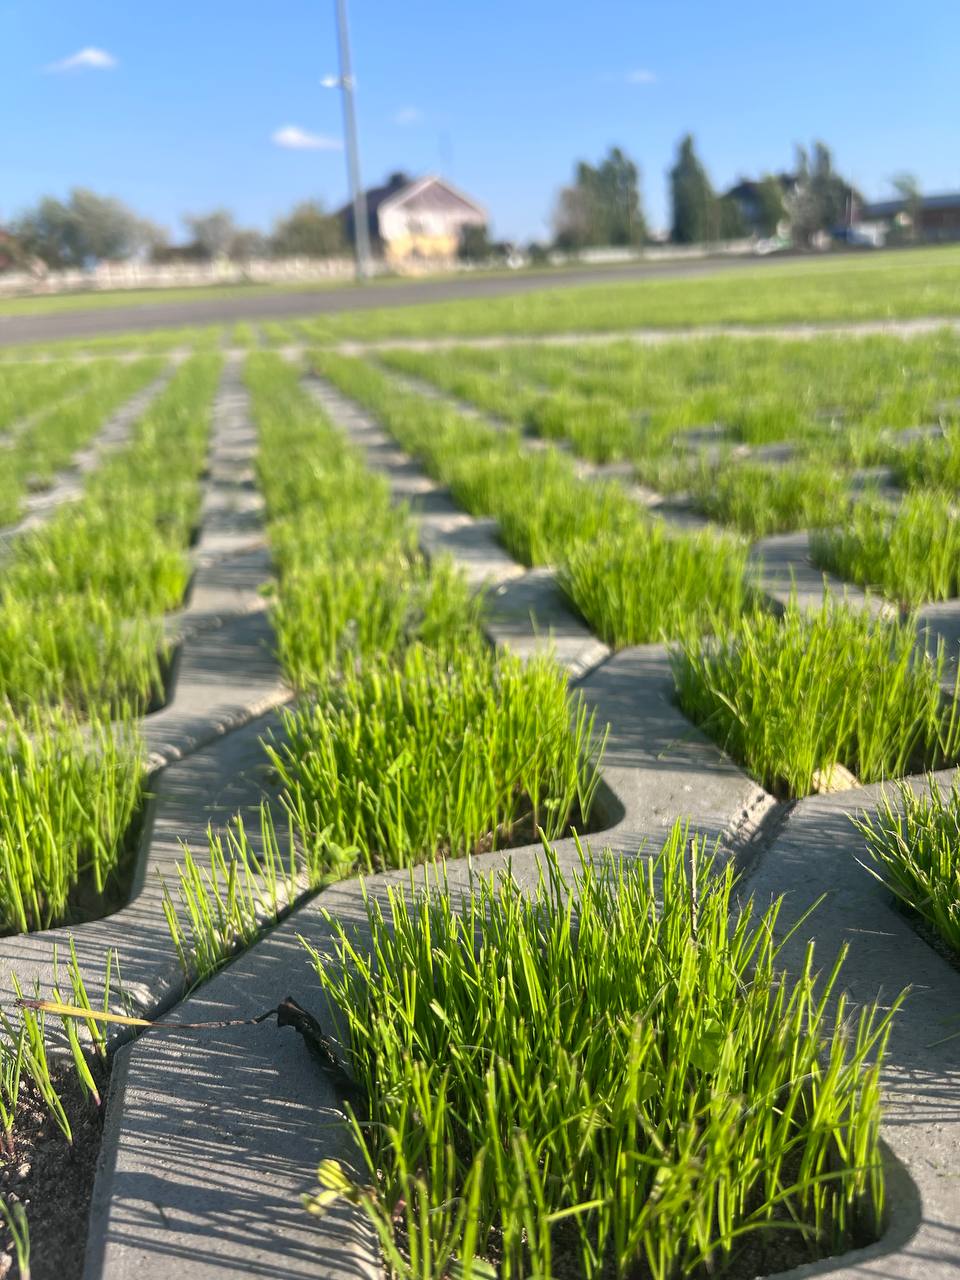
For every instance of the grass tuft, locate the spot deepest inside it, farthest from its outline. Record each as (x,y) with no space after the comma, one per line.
(911,555)
(913,843)
(437,755)
(787,697)
(609,1074)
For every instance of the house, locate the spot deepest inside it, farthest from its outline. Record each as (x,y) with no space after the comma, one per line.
(938,216)
(746,195)
(416,220)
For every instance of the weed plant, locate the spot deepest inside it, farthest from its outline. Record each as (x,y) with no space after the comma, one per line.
(606,1076)
(789,696)
(910,555)
(913,846)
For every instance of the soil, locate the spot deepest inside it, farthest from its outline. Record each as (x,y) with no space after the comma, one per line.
(53,1180)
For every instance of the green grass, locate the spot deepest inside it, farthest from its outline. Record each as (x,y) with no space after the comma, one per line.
(547,515)
(437,755)
(81,598)
(67,801)
(911,554)
(48,444)
(609,1076)
(760,499)
(933,462)
(788,697)
(913,847)
(352,582)
(624,399)
(652,585)
(882,286)
(416,739)
(29,389)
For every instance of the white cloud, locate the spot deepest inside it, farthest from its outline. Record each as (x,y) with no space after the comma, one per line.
(407,116)
(89,58)
(294,138)
(641,76)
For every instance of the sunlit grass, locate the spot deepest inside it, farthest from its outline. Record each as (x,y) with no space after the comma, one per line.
(789,696)
(580,1075)
(444,754)
(913,846)
(650,584)
(67,799)
(910,554)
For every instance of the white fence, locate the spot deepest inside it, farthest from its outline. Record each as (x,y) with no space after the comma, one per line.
(181,275)
(146,275)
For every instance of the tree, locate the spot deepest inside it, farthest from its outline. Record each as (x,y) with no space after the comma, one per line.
(823,199)
(247,243)
(730,222)
(771,209)
(602,206)
(908,189)
(308,231)
(211,232)
(696,217)
(474,243)
(83,229)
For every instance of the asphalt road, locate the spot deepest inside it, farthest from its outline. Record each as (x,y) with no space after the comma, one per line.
(276,306)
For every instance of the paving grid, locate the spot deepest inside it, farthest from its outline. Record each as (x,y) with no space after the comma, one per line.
(781,564)
(67,485)
(202,747)
(59,395)
(239,1100)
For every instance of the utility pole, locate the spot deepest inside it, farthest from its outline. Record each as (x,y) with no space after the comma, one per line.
(361,231)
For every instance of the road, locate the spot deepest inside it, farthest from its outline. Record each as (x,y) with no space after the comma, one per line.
(278,306)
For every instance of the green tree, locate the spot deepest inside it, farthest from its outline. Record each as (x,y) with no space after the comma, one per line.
(823,198)
(771,209)
(308,231)
(212,232)
(730,223)
(602,206)
(83,229)
(696,217)
(474,243)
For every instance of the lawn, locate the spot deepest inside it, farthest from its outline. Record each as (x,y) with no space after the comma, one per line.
(597,1057)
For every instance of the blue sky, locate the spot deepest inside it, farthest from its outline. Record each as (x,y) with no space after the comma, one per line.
(501,96)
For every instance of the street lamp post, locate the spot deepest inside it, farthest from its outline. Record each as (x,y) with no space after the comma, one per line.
(361,231)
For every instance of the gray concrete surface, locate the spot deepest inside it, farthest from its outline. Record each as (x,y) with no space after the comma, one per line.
(214,1135)
(206,1111)
(917,328)
(819,852)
